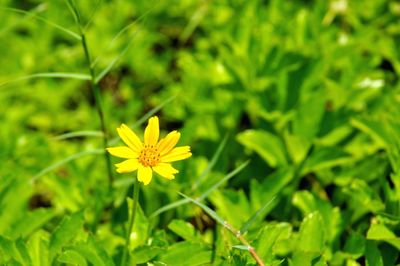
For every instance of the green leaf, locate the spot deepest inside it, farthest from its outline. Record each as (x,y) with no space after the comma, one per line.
(144,254)
(326,157)
(38,247)
(310,244)
(373,255)
(93,253)
(184,230)
(186,254)
(355,245)
(308,116)
(140,229)
(269,237)
(382,233)
(267,145)
(311,238)
(72,257)
(65,232)
(31,221)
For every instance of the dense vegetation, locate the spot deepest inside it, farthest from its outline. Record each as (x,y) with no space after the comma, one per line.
(291,109)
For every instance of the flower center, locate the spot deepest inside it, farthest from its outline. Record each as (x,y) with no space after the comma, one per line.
(149,156)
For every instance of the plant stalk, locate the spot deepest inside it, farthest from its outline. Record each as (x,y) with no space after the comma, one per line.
(95,91)
(135,196)
(240,237)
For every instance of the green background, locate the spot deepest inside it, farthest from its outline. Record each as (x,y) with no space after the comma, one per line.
(291,109)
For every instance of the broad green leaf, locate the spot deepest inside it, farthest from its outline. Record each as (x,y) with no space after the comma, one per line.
(327,157)
(184,230)
(72,257)
(306,123)
(93,252)
(186,254)
(311,242)
(267,145)
(355,245)
(144,254)
(382,233)
(31,221)
(38,247)
(372,254)
(269,237)
(65,232)
(140,229)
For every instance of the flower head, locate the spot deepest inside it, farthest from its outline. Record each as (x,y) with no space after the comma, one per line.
(150,155)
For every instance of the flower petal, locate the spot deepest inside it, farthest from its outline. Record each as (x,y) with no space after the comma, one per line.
(130,138)
(165,170)
(144,174)
(166,144)
(127,166)
(177,154)
(123,152)
(152,131)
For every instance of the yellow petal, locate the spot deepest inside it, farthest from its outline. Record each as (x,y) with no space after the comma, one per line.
(127,166)
(152,131)
(166,144)
(177,154)
(144,174)
(165,170)
(130,138)
(123,152)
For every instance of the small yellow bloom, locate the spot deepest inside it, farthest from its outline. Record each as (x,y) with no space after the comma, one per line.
(152,155)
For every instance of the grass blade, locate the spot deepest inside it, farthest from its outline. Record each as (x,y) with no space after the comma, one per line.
(49,75)
(88,133)
(212,163)
(64,161)
(48,22)
(254,217)
(121,32)
(115,60)
(225,179)
(145,117)
(204,195)
(207,209)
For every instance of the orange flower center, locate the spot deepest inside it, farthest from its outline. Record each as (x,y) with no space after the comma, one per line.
(149,156)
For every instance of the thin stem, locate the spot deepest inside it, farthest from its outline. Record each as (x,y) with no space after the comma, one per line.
(241,238)
(136,188)
(95,90)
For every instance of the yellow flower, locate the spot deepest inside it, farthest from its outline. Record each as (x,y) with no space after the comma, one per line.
(152,155)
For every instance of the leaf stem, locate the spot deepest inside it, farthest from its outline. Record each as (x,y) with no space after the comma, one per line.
(95,90)
(136,188)
(240,237)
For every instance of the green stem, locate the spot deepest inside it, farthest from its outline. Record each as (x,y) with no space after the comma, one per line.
(136,187)
(95,90)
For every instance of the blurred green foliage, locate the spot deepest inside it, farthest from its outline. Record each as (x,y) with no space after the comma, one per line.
(307,90)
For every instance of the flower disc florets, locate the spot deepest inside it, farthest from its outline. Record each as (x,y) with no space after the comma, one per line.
(149,156)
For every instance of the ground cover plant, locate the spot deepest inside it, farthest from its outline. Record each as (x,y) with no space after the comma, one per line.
(288,120)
